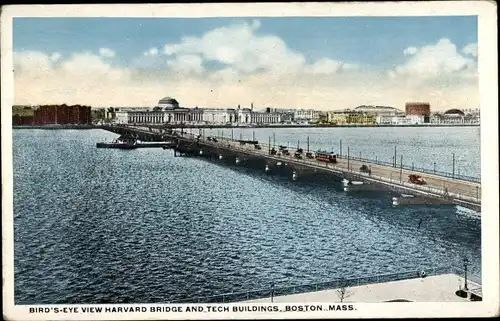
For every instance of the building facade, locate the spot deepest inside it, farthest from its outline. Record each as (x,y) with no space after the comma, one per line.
(306,115)
(62,114)
(418,108)
(168,112)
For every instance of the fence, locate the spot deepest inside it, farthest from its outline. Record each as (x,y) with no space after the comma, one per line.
(470,196)
(466,196)
(417,169)
(272,291)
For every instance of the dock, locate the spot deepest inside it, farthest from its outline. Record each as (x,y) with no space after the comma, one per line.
(439,189)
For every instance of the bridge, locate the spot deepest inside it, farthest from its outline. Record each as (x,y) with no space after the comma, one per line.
(438,188)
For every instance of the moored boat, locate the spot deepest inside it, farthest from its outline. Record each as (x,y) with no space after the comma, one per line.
(119,143)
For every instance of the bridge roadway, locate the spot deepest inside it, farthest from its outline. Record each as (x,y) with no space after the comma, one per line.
(438,188)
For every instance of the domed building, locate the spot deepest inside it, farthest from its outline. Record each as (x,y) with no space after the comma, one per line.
(168,103)
(454,113)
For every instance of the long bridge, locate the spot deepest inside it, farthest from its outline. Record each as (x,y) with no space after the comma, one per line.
(438,188)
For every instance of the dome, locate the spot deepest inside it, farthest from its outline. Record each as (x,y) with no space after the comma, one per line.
(454,112)
(168,102)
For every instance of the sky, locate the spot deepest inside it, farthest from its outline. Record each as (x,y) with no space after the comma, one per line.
(325,63)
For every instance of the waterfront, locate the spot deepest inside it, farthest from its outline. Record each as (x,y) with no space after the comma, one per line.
(142,226)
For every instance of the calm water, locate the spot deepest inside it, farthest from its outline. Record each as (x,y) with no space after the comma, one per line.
(100,226)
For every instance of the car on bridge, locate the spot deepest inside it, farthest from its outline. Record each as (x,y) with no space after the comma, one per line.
(416,179)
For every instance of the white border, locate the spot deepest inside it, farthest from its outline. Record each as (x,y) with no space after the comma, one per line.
(488,89)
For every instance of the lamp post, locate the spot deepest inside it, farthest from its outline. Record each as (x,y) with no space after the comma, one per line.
(308,144)
(272,292)
(341,148)
(434,167)
(466,261)
(453,168)
(274,139)
(395,155)
(348,158)
(401,170)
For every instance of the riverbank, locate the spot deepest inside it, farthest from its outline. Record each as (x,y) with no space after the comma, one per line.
(436,288)
(210,126)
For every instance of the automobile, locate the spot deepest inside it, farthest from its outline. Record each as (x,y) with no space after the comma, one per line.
(309,155)
(257,146)
(298,155)
(365,169)
(273,151)
(416,179)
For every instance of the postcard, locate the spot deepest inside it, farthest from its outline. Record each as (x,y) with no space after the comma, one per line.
(250,161)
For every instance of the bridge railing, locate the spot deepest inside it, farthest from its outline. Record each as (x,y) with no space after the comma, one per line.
(337,283)
(417,169)
(354,158)
(467,196)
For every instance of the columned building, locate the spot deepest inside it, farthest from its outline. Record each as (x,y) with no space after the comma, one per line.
(168,111)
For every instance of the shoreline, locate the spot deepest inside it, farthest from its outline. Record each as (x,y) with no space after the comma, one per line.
(56,127)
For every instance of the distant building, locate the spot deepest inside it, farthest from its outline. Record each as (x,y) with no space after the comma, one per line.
(168,111)
(417,108)
(348,116)
(379,110)
(62,114)
(308,115)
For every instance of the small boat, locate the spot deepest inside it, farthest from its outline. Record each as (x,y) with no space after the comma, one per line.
(120,143)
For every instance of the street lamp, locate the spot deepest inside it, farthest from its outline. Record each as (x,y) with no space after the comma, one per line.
(453,169)
(466,261)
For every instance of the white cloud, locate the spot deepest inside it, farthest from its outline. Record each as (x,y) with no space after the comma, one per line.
(410,51)
(151,52)
(240,48)
(186,64)
(436,60)
(328,66)
(470,49)
(106,52)
(244,66)
(32,61)
(55,57)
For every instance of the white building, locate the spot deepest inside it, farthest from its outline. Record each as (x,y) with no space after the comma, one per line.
(168,112)
(306,114)
(379,110)
(218,115)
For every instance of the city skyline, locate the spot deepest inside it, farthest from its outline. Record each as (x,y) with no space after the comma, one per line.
(321,63)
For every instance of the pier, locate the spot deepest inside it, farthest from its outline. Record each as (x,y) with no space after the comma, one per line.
(438,188)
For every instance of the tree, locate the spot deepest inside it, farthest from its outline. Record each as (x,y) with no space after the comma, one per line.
(342,292)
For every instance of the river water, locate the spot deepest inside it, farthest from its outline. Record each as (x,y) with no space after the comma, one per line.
(142,226)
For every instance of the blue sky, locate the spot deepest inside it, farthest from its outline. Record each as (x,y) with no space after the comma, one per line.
(318,62)
(369,40)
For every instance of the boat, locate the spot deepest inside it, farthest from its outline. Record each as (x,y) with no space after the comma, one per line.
(120,143)
(128,142)
(350,186)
